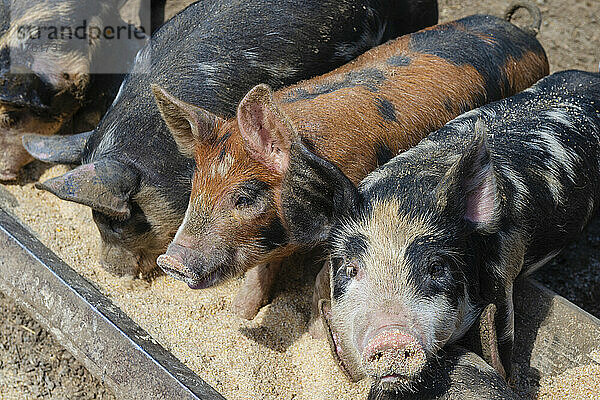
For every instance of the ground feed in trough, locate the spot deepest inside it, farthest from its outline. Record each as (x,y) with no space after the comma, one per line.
(272,357)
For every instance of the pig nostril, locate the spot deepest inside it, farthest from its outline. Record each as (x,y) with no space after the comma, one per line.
(395,355)
(376,356)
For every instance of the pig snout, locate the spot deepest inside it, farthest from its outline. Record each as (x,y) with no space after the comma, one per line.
(393,355)
(182,262)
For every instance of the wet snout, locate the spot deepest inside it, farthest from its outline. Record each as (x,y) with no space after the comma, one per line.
(186,264)
(393,354)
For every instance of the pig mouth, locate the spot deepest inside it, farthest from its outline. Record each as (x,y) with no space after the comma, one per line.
(176,269)
(7,175)
(396,382)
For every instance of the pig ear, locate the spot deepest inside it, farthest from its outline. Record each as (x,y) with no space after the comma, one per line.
(105,186)
(469,187)
(67,149)
(188,123)
(315,194)
(266,131)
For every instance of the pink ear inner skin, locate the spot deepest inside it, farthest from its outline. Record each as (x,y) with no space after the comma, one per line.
(259,127)
(265,142)
(481,201)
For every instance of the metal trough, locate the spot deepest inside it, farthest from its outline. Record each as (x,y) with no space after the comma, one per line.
(87,324)
(553,334)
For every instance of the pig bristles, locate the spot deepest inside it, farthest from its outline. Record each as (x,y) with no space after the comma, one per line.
(322,258)
(379,393)
(405,387)
(481,128)
(419,383)
(4,120)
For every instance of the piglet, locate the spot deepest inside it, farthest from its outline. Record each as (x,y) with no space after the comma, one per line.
(425,241)
(57,72)
(130,171)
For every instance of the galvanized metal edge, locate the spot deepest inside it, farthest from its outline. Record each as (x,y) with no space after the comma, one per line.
(553,334)
(89,325)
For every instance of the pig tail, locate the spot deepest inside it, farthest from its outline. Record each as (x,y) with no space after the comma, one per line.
(534,11)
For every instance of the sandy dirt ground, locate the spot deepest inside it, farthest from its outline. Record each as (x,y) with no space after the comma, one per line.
(34,366)
(271,357)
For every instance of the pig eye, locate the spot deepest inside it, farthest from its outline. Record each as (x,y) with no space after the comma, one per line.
(437,270)
(351,269)
(11,118)
(249,193)
(115,226)
(244,201)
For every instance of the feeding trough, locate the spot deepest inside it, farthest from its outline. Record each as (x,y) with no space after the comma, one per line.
(553,335)
(90,326)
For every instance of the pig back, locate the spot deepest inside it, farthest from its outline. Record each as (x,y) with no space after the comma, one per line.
(362,114)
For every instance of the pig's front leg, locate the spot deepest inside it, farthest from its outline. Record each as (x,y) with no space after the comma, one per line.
(256,289)
(322,291)
(12,156)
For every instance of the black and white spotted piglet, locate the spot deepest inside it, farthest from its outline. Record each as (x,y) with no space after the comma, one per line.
(447,226)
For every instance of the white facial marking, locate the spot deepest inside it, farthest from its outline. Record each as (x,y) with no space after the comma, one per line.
(388,288)
(222,167)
